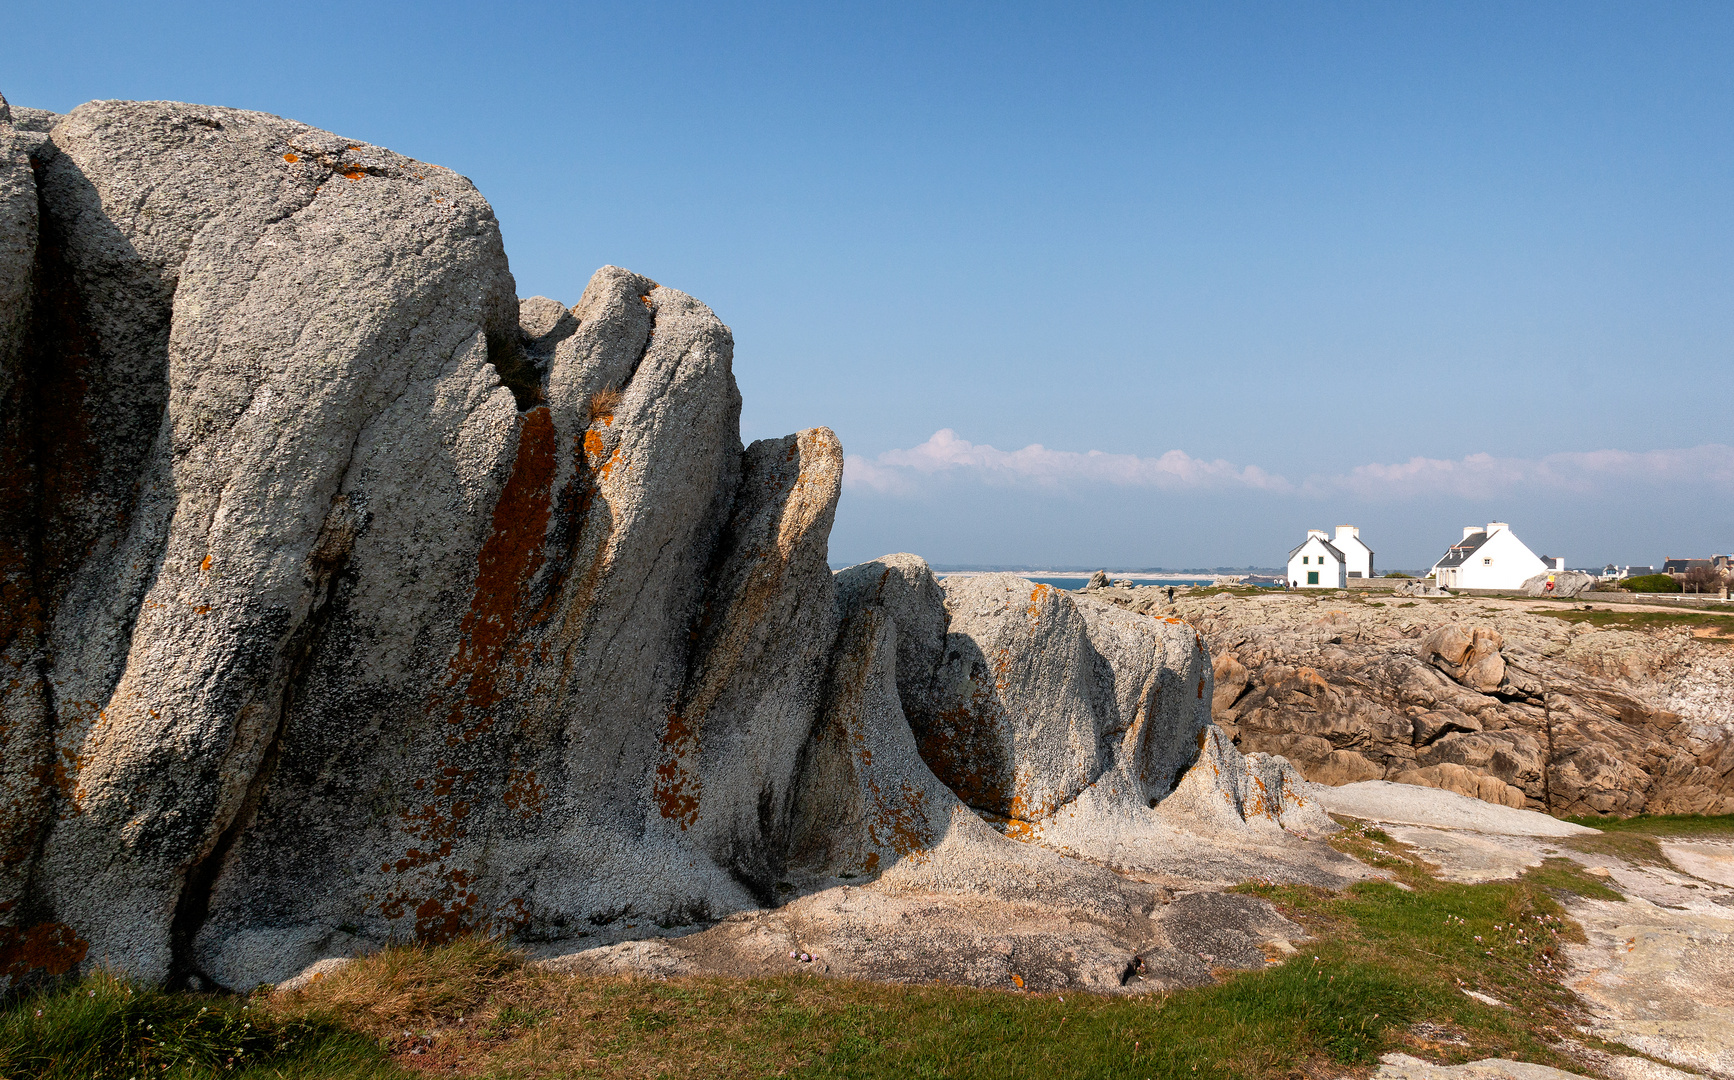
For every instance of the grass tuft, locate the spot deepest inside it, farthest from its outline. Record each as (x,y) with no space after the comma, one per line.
(106,1028)
(1707,627)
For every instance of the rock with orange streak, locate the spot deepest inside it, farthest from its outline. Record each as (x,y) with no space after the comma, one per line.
(226,303)
(521,760)
(1017,722)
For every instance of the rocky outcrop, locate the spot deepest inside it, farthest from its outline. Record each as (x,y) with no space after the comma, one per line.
(1480,697)
(350,598)
(1565,583)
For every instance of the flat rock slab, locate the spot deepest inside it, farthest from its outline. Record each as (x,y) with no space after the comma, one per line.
(905,936)
(1405,1067)
(1708,860)
(1659,979)
(1467,857)
(1407,804)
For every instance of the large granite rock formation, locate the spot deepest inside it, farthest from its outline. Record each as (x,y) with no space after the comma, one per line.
(1482,697)
(349,598)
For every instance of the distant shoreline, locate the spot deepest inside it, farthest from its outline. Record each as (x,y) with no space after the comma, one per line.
(1113,575)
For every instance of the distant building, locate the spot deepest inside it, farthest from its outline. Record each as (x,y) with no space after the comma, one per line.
(1610,572)
(1489,558)
(1357,556)
(1319,564)
(1685,566)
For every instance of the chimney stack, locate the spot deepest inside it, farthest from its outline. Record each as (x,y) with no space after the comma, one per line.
(1495,526)
(1470,530)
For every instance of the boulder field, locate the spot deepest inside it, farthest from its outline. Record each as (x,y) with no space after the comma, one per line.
(1496,699)
(345,597)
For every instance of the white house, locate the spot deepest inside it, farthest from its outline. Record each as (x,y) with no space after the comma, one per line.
(1488,558)
(1356,554)
(1317,563)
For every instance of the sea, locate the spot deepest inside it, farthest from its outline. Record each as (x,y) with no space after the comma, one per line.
(1080,582)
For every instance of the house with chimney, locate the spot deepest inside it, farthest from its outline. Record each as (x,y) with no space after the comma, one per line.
(1321,563)
(1491,557)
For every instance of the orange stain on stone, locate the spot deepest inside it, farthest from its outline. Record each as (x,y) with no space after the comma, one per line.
(442,898)
(53,948)
(291,158)
(510,558)
(676,789)
(524,794)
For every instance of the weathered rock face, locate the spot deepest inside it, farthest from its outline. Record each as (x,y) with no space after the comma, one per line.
(24,740)
(1566,583)
(1475,696)
(1069,723)
(349,598)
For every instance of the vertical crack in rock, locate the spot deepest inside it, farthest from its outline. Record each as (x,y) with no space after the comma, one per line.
(324,572)
(760,646)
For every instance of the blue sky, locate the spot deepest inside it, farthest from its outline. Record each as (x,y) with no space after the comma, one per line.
(1122,284)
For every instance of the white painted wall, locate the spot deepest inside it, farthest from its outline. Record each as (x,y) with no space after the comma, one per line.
(1315,557)
(1357,556)
(1503,562)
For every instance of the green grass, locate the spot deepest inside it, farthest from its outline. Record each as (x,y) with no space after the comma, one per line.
(1714,626)
(102,1027)
(1565,876)
(1663,824)
(1385,968)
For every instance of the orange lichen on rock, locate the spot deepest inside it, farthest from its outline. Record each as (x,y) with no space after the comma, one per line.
(524,793)
(291,158)
(1037,596)
(509,559)
(676,789)
(900,821)
(52,948)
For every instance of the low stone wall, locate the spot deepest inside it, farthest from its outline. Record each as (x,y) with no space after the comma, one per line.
(1689,600)
(1684,600)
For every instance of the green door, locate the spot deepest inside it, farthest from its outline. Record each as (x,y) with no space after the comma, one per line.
(1312,577)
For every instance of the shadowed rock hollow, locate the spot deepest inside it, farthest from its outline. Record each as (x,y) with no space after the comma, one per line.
(349,598)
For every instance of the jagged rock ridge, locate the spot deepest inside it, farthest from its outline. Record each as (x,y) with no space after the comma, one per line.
(349,598)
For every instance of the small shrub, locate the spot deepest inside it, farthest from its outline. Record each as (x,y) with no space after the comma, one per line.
(1652,583)
(603,403)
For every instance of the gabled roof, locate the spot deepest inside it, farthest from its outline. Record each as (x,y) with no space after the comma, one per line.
(1328,546)
(1460,552)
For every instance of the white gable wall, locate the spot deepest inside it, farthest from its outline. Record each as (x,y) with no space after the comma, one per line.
(1315,557)
(1503,562)
(1357,556)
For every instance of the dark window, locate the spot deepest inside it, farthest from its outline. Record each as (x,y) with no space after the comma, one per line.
(1312,577)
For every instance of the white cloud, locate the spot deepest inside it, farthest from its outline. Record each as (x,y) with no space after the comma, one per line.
(1483,475)
(898,472)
